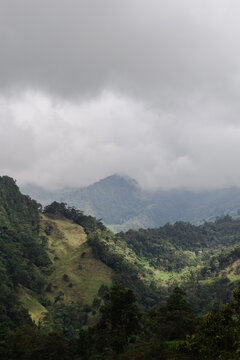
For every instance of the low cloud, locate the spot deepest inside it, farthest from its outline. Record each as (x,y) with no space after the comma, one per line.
(144,88)
(56,143)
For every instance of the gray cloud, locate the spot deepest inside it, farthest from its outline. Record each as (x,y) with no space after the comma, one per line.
(160,49)
(57,143)
(145,88)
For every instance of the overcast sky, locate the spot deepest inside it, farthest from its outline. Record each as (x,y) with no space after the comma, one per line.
(145,88)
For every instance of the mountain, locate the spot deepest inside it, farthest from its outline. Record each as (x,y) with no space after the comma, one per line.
(57,263)
(46,264)
(79,282)
(55,266)
(122,204)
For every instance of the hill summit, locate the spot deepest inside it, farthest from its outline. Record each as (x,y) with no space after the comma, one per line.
(122,204)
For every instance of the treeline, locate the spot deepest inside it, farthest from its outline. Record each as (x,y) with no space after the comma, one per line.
(125,271)
(89,223)
(122,331)
(205,257)
(168,247)
(22,258)
(200,256)
(165,332)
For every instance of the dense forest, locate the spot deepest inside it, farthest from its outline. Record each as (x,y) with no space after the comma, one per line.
(21,256)
(71,288)
(122,331)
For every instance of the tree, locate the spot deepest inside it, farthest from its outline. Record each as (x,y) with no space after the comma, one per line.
(27,343)
(174,320)
(120,318)
(217,335)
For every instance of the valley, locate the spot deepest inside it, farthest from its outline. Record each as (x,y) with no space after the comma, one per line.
(59,267)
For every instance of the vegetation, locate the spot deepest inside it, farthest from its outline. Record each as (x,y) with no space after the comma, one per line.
(203,260)
(22,259)
(122,332)
(89,223)
(93,294)
(47,270)
(123,205)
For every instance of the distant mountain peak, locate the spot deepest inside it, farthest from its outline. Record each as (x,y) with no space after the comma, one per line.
(117,178)
(119,201)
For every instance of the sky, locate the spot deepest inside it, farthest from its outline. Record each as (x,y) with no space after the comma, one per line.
(144,88)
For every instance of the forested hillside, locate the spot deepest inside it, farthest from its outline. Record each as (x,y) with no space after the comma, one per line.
(21,256)
(72,277)
(38,253)
(123,205)
(151,262)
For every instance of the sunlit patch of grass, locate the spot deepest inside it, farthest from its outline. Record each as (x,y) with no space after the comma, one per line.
(72,256)
(31,303)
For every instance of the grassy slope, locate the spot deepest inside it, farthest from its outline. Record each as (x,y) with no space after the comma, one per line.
(67,243)
(30,302)
(70,255)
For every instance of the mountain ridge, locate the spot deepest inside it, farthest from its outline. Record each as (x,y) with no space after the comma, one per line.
(58,262)
(122,204)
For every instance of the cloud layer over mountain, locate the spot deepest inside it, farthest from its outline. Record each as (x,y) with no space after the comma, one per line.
(144,88)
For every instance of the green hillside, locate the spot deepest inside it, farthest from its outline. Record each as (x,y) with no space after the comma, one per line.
(21,256)
(57,264)
(66,256)
(74,276)
(71,256)
(203,260)
(46,264)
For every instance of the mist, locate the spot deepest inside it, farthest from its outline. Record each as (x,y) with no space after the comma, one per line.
(144,89)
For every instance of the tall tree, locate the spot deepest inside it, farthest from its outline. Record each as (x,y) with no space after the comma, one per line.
(120,318)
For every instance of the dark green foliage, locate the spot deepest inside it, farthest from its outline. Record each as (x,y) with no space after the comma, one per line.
(217,336)
(212,247)
(49,287)
(125,272)
(102,290)
(96,303)
(174,320)
(65,318)
(89,223)
(65,278)
(182,246)
(120,317)
(117,327)
(17,211)
(27,343)
(167,245)
(205,297)
(21,254)
(122,333)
